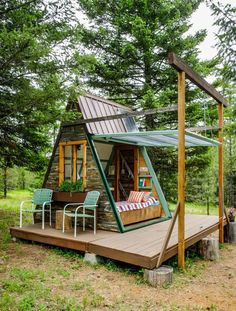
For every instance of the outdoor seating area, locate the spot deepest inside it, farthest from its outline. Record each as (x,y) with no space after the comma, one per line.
(43,198)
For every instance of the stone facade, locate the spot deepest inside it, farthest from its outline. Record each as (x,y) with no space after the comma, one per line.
(105,219)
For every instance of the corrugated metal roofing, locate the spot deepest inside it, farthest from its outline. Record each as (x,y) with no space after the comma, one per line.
(93,106)
(166,138)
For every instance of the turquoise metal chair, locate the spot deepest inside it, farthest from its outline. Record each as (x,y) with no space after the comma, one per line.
(90,203)
(41,197)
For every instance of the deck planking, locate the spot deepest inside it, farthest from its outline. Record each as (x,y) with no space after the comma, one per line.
(140,247)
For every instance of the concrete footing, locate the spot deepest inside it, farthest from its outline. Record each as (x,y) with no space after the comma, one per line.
(159,276)
(209,248)
(92,258)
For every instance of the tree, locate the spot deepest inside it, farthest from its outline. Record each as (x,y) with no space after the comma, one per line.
(225,17)
(33,57)
(129,41)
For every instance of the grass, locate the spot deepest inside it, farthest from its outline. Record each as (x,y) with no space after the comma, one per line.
(196,208)
(9,215)
(39,278)
(13,200)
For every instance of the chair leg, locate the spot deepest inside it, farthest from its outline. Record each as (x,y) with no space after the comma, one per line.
(43,220)
(33,218)
(50,215)
(20,218)
(75,227)
(83,219)
(95,222)
(63,222)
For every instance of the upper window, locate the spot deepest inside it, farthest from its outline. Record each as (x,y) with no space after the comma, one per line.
(72,161)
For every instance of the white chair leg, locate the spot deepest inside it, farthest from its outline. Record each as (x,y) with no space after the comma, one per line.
(75,226)
(43,219)
(63,222)
(20,218)
(50,215)
(33,218)
(83,219)
(95,222)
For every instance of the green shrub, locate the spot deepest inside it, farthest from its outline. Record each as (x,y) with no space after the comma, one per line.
(69,186)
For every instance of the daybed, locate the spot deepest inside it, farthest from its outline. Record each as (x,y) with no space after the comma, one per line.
(133,212)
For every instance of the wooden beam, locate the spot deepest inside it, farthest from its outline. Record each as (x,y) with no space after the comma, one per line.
(167,238)
(180,65)
(181,168)
(136,167)
(221,173)
(121,116)
(84,165)
(61,164)
(203,128)
(72,142)
(117,173)
(74,170)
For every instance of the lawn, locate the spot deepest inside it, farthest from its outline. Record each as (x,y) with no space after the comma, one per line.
(39,277)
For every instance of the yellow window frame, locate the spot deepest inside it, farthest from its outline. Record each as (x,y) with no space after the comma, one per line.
(62,160)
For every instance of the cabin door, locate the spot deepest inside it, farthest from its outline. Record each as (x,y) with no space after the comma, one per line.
(126,171)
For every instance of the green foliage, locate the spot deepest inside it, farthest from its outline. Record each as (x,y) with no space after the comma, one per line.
(131,40)
(225,16)
(35,44)
(68,186)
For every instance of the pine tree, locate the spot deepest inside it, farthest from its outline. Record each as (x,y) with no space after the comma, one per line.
(128,41)
(225,17)
(33,57)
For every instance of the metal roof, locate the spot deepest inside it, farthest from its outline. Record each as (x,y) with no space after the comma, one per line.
(93,106)
(166,138)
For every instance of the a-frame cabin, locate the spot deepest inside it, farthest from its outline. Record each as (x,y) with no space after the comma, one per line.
(112,167)
(107,153)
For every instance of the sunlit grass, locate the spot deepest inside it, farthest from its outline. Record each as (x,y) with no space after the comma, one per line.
(13,200)
(196,208)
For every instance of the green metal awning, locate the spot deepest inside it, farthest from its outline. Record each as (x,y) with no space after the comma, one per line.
(165,138)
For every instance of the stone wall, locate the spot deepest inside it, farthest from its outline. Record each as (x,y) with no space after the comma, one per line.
(105,219)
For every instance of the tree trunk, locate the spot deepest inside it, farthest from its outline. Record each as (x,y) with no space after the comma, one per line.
(5,181)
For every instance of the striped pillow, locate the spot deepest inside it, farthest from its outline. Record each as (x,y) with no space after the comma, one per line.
(135,197)
(146,196)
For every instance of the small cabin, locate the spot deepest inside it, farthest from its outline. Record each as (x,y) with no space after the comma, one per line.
(105,151)
(120,169)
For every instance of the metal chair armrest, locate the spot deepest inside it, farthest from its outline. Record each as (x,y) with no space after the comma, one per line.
(71,204)
(23,202)
(85,207)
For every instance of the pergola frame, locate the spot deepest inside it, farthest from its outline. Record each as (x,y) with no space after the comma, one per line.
(184,71)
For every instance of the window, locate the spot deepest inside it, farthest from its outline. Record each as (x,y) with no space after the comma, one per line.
(72,161)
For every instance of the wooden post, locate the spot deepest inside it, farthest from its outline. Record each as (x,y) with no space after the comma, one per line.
(167,238)
(61,163)
(136,154)
(181,168)
(84,165)
(74,167)
(117,172)
(221,174)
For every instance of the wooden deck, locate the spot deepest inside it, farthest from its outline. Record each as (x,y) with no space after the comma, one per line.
(140,247)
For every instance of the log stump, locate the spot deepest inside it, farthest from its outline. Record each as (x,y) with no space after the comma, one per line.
(230,233)
(209,248)
(161,276)
(59,219)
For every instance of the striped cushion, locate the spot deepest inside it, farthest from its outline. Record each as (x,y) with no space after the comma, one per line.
(135,197)
(125,206)
(146,196)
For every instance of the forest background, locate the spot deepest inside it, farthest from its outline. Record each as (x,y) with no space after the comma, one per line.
(52,51)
